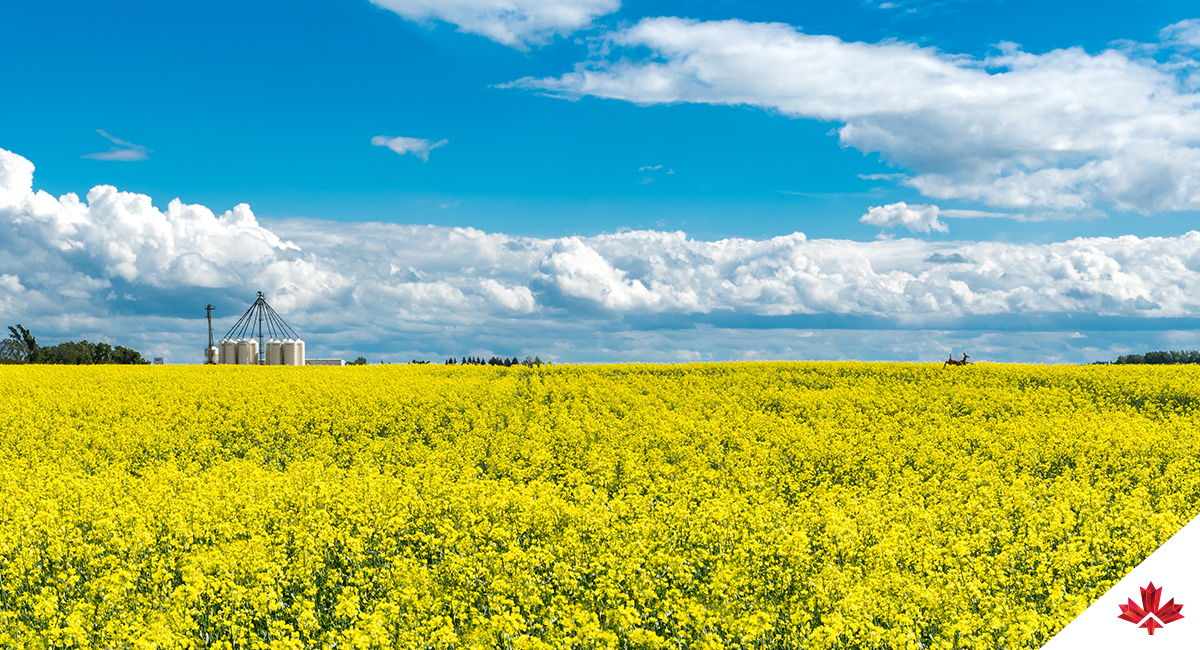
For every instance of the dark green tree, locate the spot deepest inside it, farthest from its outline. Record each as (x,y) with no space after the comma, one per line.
(103,353)
(22,344)
(69,353)
(125,355)
(13,351)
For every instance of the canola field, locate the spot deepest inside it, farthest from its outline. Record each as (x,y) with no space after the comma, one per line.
(748,505)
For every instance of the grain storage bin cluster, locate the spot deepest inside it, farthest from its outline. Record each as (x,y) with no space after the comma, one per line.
(261,337)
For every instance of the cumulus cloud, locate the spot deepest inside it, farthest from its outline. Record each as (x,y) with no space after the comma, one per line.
(515,23)
(917,218)
(421,291)
(1066,132)
(518,299)
(124,151)
(415,146)
(638,274)
(121,235)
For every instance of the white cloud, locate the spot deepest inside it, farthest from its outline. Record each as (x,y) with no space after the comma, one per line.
(10,284)
(649,168)
(121,235)
(578,271)
(518,299)
(124,151)
(1183,33)
(1053,134)
(516,23)
(659,274)
(917,218)
(980,214)
(418,291)
(401,145)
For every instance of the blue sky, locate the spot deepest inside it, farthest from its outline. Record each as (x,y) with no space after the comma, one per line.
(1026,124)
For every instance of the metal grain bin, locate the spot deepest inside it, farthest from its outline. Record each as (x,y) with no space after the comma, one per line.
(243,352)
(228,351)
(274,352)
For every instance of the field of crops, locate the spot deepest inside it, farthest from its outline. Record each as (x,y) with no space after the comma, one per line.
(765,505)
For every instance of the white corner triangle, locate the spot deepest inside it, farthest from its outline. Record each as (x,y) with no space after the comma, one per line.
(1175,568)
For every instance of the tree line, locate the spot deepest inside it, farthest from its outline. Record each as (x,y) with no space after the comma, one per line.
(22,347)
(529,362)
(496,361)
(1162,357)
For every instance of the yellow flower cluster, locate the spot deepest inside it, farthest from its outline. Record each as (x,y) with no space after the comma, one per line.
(749,505)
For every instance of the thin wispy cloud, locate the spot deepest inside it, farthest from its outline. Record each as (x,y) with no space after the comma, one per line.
(981,214)
(515,23)
(1185,33)
(651,169)
(418,147)
(124,150)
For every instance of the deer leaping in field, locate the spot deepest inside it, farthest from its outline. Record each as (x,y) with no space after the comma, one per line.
(956,362)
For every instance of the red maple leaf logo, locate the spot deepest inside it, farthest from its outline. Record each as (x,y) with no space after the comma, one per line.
(1150,615)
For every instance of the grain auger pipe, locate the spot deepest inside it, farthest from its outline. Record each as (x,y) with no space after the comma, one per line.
(211,353)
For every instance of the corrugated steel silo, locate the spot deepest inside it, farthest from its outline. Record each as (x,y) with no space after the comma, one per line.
(228,351)
(274,352)
(243,352)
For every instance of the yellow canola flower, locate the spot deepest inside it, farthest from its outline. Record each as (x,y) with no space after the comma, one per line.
(741,505)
